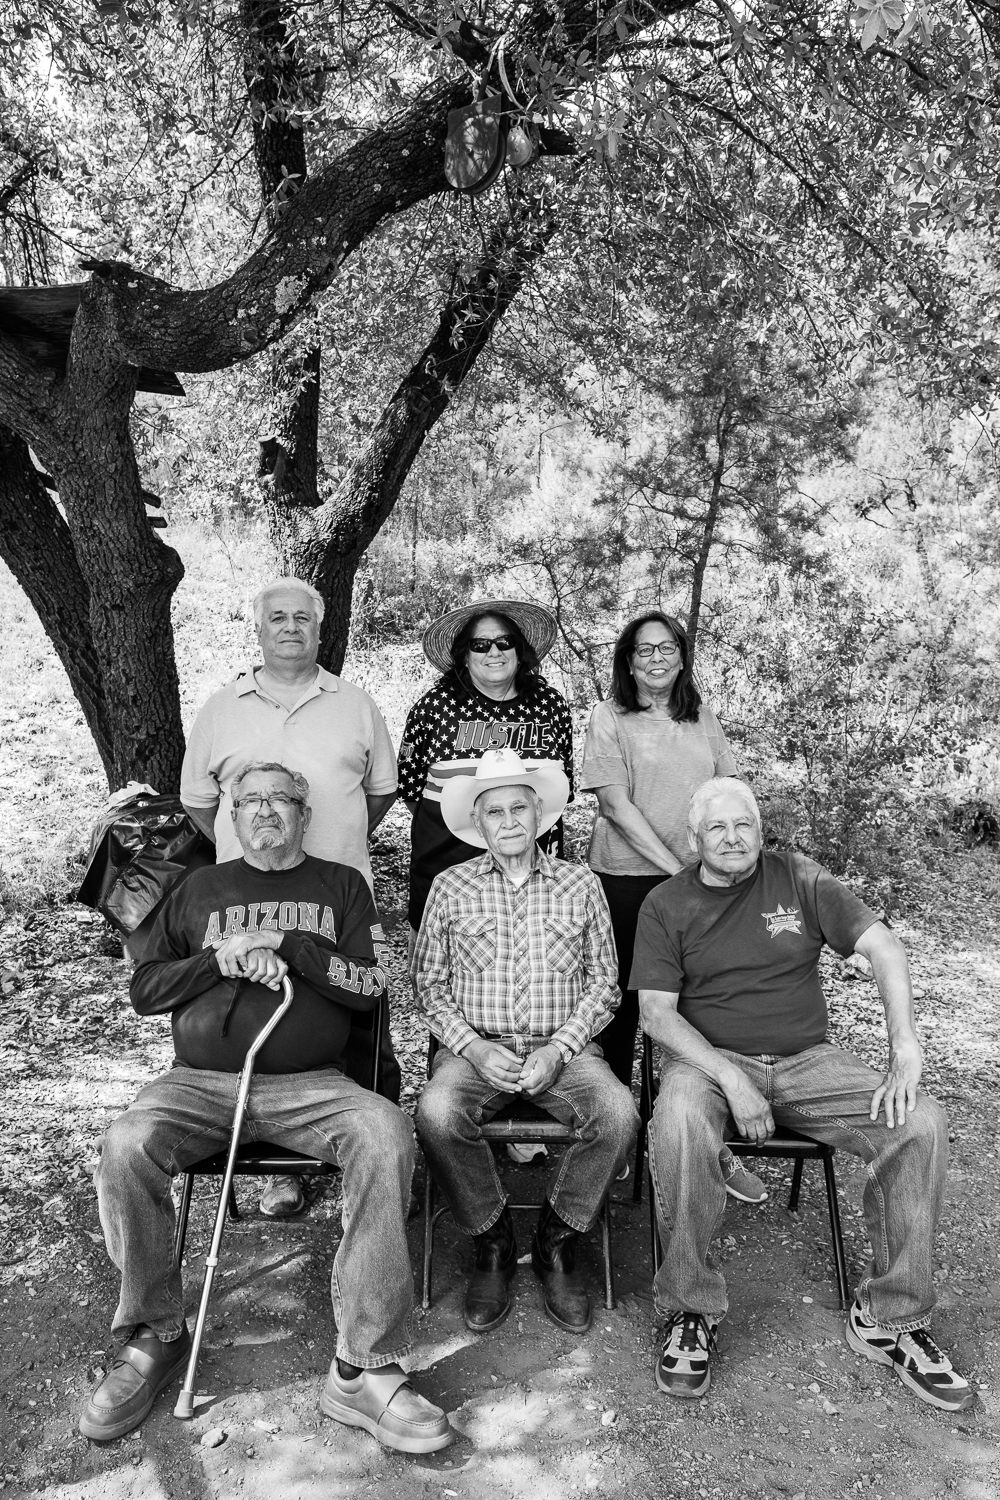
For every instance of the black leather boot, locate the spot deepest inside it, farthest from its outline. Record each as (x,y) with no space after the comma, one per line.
(553,1258)
(487,1297)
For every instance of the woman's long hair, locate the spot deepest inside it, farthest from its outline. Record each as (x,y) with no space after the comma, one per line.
(685,699)
(527,678)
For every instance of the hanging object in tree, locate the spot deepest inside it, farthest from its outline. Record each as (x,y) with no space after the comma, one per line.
(476,147)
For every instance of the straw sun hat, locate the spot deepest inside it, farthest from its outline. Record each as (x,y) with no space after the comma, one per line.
(535,623)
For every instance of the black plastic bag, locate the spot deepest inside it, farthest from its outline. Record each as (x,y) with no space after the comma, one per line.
(138,852)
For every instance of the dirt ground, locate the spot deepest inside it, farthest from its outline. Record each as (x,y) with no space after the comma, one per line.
(537,1413)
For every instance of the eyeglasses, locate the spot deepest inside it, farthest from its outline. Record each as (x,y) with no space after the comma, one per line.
(482,645)
(273,799)
(667,648)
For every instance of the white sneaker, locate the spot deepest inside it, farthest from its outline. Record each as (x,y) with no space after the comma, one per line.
(916,1359)
(686,1341)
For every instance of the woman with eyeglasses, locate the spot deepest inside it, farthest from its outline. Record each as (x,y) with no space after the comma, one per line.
(648,747)
(491,696)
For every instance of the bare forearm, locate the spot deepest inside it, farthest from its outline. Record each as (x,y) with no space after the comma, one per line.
(377,808)
(887,956)
(629,822)
(663,1025)
(203,818)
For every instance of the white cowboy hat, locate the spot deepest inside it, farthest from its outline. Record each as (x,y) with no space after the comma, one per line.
(533,621)
(503,768)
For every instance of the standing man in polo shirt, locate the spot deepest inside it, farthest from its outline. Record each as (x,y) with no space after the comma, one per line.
(515,971)
(289,709)
(725,963)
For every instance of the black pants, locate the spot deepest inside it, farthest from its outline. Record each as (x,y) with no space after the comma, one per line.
(625,895)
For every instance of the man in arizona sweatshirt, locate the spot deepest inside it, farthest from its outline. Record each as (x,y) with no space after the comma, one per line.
(223,943)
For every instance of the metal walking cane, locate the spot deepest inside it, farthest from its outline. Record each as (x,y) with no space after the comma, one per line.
(185,1401)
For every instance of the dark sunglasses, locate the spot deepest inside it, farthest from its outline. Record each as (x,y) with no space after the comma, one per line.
(483,644)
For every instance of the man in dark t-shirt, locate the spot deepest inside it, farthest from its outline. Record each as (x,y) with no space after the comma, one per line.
(725,963)
(223,943)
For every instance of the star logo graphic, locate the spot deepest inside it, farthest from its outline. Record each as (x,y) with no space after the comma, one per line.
(783,920)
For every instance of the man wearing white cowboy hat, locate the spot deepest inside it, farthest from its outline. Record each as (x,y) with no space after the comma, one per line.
(515,971)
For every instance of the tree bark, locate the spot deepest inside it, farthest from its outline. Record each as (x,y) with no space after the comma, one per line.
(289,460)
(130,573)
(709,522)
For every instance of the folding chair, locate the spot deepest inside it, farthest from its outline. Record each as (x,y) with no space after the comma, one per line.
(784,1143)
(518,1123)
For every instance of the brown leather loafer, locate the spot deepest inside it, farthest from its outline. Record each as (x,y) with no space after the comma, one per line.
(385,1404)
(123,1398)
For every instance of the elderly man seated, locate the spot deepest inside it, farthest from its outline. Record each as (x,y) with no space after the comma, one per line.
(222,944)
(515,970)
(725,963)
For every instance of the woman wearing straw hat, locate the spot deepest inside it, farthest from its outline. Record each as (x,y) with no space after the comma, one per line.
(490,696)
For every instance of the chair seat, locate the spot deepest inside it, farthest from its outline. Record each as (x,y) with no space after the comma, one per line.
(530,1131)
(259,1160)
(783,1143)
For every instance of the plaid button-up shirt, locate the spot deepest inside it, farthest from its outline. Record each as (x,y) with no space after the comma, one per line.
(519,964)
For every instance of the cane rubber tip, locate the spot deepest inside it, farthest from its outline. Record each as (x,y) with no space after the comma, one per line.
(185,1405)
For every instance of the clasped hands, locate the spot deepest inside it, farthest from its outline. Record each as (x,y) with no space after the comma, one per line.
(514,1075)
(252,956)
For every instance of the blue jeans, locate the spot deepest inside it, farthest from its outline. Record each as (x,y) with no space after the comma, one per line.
(826,1093)
(456,1100)
(187,1114)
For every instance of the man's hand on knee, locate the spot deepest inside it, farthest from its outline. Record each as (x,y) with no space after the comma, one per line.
(497,1064)
(748,1107)
(897,1093)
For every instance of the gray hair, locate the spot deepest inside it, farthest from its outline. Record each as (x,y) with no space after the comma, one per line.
(716,787)
(298,781)
(276,584)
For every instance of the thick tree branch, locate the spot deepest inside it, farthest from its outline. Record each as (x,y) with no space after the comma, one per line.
(289,460)
(32,527)
(393,167)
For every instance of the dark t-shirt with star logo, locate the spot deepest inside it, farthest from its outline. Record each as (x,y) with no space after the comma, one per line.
(744,957)
(447,731)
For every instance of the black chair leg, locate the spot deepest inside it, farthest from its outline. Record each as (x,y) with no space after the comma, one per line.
(836,1235)
(654,1231)
(610,1300)
(425,1299)
(183,1210)
(793,1196)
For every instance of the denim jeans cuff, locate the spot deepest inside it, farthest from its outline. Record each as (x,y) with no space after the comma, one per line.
(485,1227)
(373,1361)
(165,1336)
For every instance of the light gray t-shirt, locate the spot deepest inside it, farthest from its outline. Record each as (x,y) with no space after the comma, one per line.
(660,762)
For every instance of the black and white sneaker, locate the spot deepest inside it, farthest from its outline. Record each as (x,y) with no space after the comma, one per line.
(916,1359)
(686,1340)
